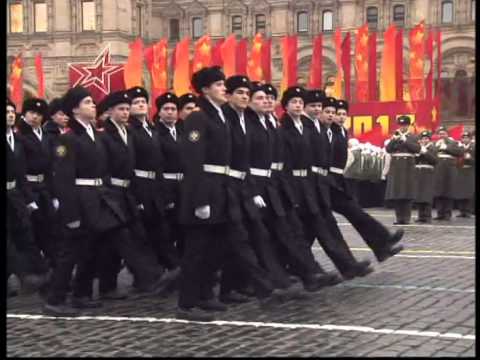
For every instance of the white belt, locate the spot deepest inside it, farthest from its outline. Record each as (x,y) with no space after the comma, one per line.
(35,178)
(300,172)
(216,169)
(424,166)
(336,170)
(277,166)
(403,155)
(145,174)
(89,182)
(11,185)
(120,182)
(319,170)
(237,174)
(446,156)
(467,166)
(173,176)
(261,172)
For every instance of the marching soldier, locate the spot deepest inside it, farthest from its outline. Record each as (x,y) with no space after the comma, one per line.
(466,176)
(425,162)
(186,104)
(57,122)
(446,173)
(401,178)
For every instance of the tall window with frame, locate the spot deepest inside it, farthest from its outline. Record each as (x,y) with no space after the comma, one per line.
(327,20)
(302,22)
(197,27)
(399,15)
(260,23)
(174,31)
(138,15)
(372,17)
(40,16)
(88,15)
(237,24)
(447,12)
(16,17)
(472,9)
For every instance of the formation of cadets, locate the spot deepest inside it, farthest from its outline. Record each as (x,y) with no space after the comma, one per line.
(214,190)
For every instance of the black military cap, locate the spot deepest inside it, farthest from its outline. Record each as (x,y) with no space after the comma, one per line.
(237,81)
(55,106)
(10,103)
(185,99)
(467,134)
(102,106)
(270,90)
(292,92)
(165,98)
(342,104)
(73,97)
(116,98)
(442,128)
(35,104)
(403,120)
(329,101)
(426,133)
(256,86)
(314,96)
(137,91)
(206,77)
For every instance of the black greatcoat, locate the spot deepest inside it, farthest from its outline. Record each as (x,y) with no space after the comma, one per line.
(53,130)
(338,158)
(446,170)
(424,174)
(207,141)
(466,174)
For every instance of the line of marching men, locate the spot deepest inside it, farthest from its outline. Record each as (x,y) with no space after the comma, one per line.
(229,196)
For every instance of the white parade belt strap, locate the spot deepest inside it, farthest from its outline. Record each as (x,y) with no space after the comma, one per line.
(120,182)
(467,166)
(300,172)
(319,170)
(89,182)
(277,166)
(216,169)
(260,172)
(145,174)
(35,178)
(336,170)
(11,185)
(403,155)
(173,176)
(237,174)
(446,156)
(424,166)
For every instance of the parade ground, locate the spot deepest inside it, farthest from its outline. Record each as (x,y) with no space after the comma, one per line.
(419,303)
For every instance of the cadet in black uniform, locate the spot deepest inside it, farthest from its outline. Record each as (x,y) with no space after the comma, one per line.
(376,236)
(24,257)
(57,122)
(208,208)
(401,177)
(446,173)
(186,104)
(466,176)
(425,162)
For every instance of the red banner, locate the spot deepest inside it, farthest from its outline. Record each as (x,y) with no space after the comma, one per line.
(267,60)
(315,80)
(361,63)
(254,65)
(346,65)
(372,67)
(241,54)
(16,82)
(40,76)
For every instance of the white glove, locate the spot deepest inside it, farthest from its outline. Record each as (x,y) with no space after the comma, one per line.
(403,138)
(259,202)
(467,156)
(55,203)
(443,146)
(170,206)
(423,150)
(140,207)
(203,212)
(32,206)
(74,224)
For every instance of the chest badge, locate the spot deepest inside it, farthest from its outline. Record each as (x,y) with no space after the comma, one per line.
(194,136)
(61,151)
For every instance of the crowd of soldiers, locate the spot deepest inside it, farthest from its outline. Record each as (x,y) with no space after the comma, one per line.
(214,190)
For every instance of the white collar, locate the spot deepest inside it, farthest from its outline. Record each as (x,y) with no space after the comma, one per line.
(170,127)
(10,132)
(120,128)
(217,107)
(88,126)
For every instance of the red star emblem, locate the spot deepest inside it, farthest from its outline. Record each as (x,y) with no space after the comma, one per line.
(96,75)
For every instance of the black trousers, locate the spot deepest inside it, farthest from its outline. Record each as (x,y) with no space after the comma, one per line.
(464,206)
(444,207)
(424,211)
(206,249)
(161,236)
(372,231)
(45,231)
(403,209)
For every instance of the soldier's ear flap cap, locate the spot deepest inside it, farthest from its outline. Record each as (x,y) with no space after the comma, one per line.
(137,91)
(206,76)
(426,133)
(10,103)
(442,128)
(403,120)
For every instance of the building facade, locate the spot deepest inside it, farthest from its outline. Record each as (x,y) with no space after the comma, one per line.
(67,31)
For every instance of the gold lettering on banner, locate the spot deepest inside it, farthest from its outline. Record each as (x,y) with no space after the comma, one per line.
(361,124)
(384,121)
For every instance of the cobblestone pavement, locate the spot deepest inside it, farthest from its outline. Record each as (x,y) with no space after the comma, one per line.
(419,303)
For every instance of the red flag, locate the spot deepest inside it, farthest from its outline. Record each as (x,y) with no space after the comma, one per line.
(156,59)
(40,76)
(181,75)
(16,82)
(361,63)
(399,64)
(254,65)
(372,67)
(133,69)
(346,65)
(429,53)
(202,57)
(217,53)
(228,50)
(456,132)
(289,56)
(267,60)
(388,86)
(439,61)
(315,80)
(374,136)
(241,54)
(417,54)
(337,89)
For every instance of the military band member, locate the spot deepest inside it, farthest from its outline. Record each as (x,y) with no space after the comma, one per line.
(466,176)
(425,162)
(401,177)
(446,173)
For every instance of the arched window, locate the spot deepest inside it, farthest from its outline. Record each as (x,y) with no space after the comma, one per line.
(372,17)
(237,24)
(399,15)
(16,17)
(327,20)
(88,15)
(138,14)
(40,16)
(174,29)
(302,22)
(260,23)
(447,12)
(197,27)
